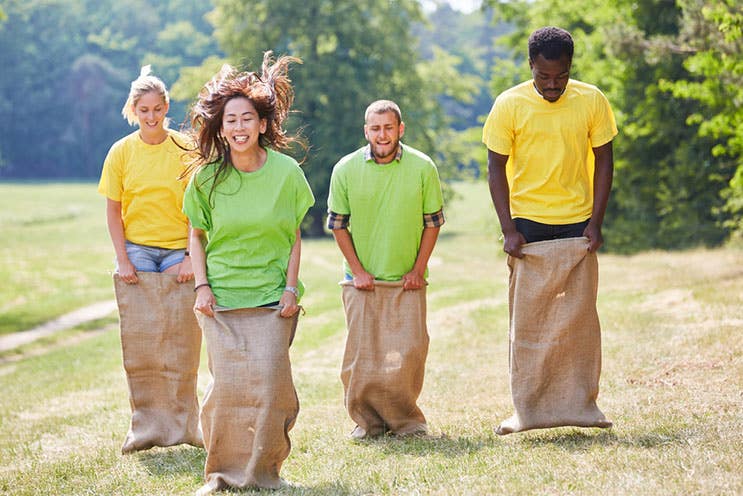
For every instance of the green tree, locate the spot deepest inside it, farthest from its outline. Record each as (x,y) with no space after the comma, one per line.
(67,65)
(712,31)
(353,53)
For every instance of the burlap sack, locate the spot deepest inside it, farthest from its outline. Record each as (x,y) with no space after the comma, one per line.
(555,337)
(250,404)
(385,357)
(161,347)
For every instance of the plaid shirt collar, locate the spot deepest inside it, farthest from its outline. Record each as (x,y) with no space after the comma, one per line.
(368,155)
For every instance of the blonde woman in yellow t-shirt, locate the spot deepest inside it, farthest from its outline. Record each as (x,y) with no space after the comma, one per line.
(140,180)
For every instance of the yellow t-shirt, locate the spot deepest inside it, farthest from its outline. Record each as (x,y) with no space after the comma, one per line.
(144,178)
(549,145)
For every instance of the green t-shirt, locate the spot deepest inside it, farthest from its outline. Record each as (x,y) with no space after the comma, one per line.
(251,222)
(386,203)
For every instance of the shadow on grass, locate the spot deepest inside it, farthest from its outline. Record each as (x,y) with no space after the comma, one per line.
(164,462)
(327,489)
(174,460)
(572,439)
(425,445)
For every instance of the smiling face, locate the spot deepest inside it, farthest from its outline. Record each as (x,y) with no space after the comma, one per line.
(383,132)
(550,76)
(150,110)
(241,125)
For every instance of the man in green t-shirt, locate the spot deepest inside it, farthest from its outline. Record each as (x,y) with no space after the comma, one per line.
(385,212)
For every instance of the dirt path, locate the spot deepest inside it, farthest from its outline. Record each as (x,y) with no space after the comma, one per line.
(72,319)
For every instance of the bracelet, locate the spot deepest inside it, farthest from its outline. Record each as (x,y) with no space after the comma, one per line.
(201,286)
(293,290)
(186,253)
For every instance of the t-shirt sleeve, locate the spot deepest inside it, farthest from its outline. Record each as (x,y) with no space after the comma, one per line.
(604,127)
(196,205)
(111,184)
(304,197)
(497,134)
(338,196)
(433,199)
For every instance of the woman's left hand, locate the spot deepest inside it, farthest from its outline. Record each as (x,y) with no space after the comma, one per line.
(185,272)
(288,303)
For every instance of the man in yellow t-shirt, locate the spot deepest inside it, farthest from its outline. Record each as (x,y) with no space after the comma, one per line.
(550,162)
(550,170)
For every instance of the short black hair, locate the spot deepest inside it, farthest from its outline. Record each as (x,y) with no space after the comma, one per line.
(550,42)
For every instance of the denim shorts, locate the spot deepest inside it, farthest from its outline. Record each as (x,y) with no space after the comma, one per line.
(151,258)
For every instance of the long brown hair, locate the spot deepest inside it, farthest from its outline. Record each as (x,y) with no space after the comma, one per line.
(270,92)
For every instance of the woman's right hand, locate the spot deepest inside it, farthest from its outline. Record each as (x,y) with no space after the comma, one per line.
(127,272)
(205,301)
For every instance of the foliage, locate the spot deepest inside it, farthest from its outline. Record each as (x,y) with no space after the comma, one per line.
(67,68)
(712,31)
(372,54)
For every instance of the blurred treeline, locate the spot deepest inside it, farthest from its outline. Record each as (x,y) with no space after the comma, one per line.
(673,71)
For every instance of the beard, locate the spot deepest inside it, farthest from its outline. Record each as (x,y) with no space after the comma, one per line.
(385,153)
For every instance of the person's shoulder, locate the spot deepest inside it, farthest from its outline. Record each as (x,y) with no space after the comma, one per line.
(350,159)
(205,172)
(283,164)
(183,140)
(281,159)
(130,140)
(521,90)
(123,147)
(418,161)
(584,89)
(588,93)
(413,154)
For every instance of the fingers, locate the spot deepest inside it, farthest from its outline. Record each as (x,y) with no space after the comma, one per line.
(514,251)
(206,309)
(594,245)
(205,302)
(289,311)
(512,244)
(410,282)
(365,286)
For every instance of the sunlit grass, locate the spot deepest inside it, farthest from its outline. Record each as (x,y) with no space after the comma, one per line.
(671,382)
(55,256)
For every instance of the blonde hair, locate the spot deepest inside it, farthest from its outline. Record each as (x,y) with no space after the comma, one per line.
(144,84)
(382,107)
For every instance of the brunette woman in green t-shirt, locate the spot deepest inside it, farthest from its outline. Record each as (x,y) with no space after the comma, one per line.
(245,204)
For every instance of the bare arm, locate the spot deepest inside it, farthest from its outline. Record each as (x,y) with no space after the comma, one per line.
(500,194)
(126,270)
(414,279)
(361,278)
(205,300)
(602,179)
(288,300)
(185,268)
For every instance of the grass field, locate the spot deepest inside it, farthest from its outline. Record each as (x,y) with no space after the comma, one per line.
(672,378)
(55,255)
